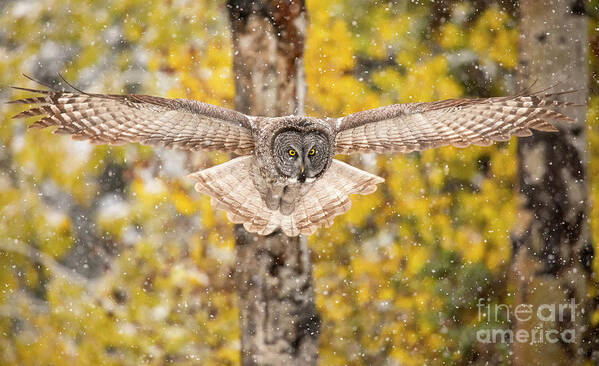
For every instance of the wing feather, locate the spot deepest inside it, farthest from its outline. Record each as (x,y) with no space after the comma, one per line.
(458,122)
(118,119)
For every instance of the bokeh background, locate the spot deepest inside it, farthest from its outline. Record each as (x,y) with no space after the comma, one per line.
(108,256)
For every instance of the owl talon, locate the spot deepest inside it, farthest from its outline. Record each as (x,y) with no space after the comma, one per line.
(273,197)
(287,208)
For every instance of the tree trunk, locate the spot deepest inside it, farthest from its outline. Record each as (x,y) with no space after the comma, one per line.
(279,322)
(552,247)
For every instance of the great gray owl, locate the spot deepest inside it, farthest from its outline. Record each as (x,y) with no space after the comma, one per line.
(286,176)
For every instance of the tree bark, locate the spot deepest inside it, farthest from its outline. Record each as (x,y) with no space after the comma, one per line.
(552,246)
(278,318)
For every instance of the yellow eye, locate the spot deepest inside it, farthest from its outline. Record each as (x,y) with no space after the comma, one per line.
(312,152)
(292,152)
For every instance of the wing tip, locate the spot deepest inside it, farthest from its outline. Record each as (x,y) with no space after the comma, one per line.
(30,90)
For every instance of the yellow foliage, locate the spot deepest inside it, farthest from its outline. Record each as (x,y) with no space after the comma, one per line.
(494,37)
(451,36)
(395,278)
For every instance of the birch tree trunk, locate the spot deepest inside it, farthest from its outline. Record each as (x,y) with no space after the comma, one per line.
(552,247)
(279,322)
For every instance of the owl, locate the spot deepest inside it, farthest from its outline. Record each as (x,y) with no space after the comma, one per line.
(285,175)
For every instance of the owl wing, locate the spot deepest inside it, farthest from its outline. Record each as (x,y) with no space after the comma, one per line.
(458,122)
(117,119)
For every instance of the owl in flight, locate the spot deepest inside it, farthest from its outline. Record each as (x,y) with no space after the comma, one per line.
(286,176)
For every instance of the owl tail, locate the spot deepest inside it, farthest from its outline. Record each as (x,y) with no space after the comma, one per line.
(232,189)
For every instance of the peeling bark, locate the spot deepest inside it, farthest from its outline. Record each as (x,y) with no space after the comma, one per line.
(552,245)
(278,318)
(268,39)
(279,322)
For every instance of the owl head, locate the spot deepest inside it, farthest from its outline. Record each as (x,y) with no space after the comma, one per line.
(301,155)
(297,147)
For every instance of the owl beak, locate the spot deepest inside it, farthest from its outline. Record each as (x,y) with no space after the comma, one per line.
(302,176)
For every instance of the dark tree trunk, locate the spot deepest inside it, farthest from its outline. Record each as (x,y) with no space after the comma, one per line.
(279,322)
(552,247)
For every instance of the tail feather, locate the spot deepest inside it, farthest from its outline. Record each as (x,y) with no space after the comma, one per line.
(231,187)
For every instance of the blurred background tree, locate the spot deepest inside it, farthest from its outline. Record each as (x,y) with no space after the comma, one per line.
(278,318)
(107,255)
(553,253)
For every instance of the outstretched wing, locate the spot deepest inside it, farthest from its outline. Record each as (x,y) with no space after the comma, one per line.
(458,122)
(117,119)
